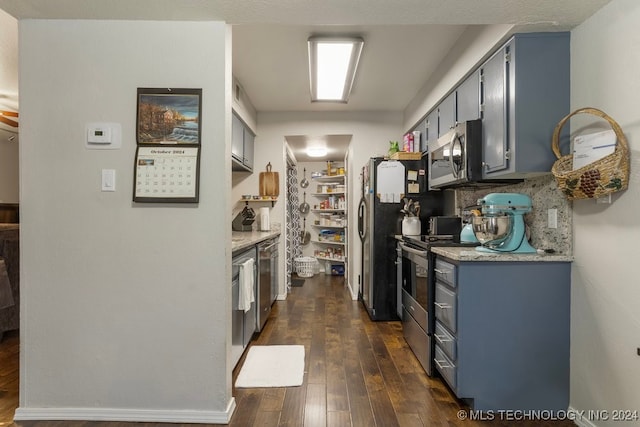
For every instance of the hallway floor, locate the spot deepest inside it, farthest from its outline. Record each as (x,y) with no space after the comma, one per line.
(357,372)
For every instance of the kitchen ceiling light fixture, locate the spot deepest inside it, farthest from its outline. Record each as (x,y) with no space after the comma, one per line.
(332,67)
(316,151)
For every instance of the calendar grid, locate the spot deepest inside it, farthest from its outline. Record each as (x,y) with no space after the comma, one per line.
(166,174)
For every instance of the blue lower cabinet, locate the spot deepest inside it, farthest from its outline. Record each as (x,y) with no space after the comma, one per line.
(502,334)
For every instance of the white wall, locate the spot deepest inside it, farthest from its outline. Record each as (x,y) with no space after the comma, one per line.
(8,101)
(125,307)
(371,134)
(605,319)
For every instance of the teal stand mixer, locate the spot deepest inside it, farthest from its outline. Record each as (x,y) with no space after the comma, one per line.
(501,227)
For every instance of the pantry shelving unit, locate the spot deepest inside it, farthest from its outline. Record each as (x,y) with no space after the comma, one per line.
(330,221)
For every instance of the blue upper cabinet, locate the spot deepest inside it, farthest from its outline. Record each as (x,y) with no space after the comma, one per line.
(431,127)
(524,94)
(447,114)
(468,98)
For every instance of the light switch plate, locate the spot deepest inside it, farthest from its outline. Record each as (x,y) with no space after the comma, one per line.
(108,180)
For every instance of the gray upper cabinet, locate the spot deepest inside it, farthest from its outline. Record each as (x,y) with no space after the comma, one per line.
(447,114)
(524,94)
(468,98)
(422,128)
(431,127)
(494,114)
(242,140)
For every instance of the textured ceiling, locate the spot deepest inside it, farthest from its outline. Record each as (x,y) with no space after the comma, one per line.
(315,12)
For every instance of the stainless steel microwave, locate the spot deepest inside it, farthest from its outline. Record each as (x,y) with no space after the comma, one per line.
(455,159)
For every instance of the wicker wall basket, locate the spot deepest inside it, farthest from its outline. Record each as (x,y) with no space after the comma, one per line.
(597,179)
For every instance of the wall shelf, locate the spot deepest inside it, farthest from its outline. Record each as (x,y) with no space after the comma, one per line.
(329,178)
(342,259)
(247,201)
(328,242)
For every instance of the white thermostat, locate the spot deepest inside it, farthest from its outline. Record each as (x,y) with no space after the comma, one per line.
(103,136)
(99,135)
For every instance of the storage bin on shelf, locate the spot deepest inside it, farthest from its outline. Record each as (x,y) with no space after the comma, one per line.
(305,266)
(337,270)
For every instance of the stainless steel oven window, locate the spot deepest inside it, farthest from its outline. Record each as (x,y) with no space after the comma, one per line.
(415,269)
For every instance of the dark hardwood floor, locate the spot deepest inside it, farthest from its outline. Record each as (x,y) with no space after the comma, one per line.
(357,372)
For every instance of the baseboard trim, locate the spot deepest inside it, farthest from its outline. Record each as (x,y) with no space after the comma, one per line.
(354,295)
(581,418)
(122,414)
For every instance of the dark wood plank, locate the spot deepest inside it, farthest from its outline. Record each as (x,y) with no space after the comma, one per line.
(338,419)
(315,409)
(293,407)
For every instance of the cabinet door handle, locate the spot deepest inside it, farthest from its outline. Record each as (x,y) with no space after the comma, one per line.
(440,364)
(442,338)
(438,271)
(442,305)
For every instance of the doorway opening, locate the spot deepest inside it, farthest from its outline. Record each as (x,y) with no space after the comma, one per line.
(317,213)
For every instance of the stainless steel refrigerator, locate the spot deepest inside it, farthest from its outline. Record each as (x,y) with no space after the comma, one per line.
(385,183)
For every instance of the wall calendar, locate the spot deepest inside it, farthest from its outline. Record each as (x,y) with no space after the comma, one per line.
(167,174)
(167,163)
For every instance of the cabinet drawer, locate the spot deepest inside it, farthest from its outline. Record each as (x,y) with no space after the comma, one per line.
(445,340)
(445,272)
(446,367)
(445,306)
(414,309)
(418,340)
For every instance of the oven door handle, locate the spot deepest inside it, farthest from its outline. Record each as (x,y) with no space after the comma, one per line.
(413,251)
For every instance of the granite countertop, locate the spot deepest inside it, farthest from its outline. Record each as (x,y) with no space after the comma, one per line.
(470,254)
(245,239)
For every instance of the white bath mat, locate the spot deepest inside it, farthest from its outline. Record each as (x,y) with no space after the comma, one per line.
(272,366)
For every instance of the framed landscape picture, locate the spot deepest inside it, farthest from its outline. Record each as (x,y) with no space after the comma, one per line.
(169,116)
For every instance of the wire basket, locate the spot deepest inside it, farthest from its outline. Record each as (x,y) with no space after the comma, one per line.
(599,178)
(305,266)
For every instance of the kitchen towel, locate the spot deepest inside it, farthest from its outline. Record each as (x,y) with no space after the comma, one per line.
(6,296)
(245,290)
(272,366)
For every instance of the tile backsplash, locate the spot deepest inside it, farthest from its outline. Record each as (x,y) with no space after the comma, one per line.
(545,195)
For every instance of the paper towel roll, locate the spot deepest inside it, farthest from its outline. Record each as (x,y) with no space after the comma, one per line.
(265,224)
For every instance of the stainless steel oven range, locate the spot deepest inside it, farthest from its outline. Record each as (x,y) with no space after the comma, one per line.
(413,273)
(417,287)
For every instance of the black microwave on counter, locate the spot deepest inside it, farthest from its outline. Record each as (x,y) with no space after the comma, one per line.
(455,159)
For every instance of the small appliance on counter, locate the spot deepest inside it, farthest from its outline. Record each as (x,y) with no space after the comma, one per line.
(445,227)
(244,220)
(502,228)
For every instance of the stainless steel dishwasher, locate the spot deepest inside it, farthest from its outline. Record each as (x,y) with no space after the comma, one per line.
(243,323)
(267,278)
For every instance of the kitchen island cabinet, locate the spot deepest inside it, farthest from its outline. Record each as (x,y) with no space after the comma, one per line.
(502,332)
